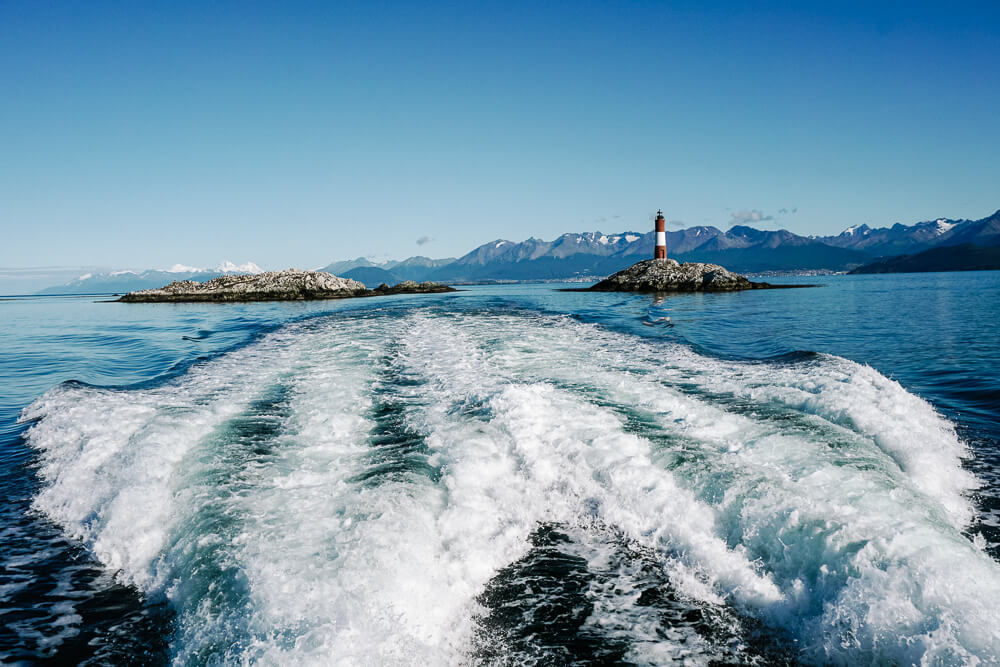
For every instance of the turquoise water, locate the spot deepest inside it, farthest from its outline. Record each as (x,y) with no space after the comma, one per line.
(506,474)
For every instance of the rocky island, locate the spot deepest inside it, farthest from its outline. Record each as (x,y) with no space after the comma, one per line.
(668,275)
(287,285)
(412,287)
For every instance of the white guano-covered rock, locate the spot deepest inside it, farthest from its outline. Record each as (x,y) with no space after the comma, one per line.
(287,285)
(667,275)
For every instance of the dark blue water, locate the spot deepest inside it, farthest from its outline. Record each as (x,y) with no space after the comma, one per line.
(934,334)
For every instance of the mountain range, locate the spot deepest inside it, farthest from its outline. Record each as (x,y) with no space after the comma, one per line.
(741,248)
(962,257)
(413,268)
(116,282)
(902,239)
(593,254)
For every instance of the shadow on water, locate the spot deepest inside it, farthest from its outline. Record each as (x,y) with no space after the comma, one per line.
(59,605)
(397,452)
(551,607)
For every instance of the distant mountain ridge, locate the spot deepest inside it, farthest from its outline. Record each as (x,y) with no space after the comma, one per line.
(741,248)
(115,282)
(413,268)
(593,254)
(370,276)
(586,255)
(907,239)
(962,257)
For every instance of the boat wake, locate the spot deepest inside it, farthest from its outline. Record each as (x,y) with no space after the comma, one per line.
(511,488)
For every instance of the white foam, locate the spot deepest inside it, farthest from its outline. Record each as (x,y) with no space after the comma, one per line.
(568,457)
(856,517)
(922,443)
(818,496)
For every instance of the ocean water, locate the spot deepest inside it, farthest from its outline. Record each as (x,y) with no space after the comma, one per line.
(506,475)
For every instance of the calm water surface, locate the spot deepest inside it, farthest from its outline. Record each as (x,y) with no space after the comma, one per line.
(507,474)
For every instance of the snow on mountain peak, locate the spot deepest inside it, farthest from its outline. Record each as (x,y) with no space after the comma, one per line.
(229,267)
(854,229)
(181,268)
(943,226)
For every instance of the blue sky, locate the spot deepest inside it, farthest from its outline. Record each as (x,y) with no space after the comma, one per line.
(292,134)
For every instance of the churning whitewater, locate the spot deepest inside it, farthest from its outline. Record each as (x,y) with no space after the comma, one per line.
(482,487)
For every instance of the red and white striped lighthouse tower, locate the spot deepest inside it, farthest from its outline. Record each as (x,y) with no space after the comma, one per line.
(661,237)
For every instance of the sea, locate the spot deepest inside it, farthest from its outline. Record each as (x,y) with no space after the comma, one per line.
(506,475)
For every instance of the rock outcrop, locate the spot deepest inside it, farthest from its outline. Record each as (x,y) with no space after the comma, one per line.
(413,287)
(288,285)
(667,275)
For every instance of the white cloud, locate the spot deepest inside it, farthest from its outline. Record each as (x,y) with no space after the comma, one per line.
(747,217)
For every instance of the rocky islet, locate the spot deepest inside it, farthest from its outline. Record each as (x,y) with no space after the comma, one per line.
(287,285)
(668,275)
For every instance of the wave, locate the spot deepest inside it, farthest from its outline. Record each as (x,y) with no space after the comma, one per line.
(366,488)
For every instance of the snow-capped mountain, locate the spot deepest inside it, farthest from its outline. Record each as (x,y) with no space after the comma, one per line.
(180,268)
(129,280)
(595,254)
(229,267)
(908,239)
(741,248)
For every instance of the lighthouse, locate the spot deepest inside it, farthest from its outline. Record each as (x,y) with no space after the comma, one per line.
(661,237)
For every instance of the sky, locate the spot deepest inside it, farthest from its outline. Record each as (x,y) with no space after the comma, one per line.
(140,135)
